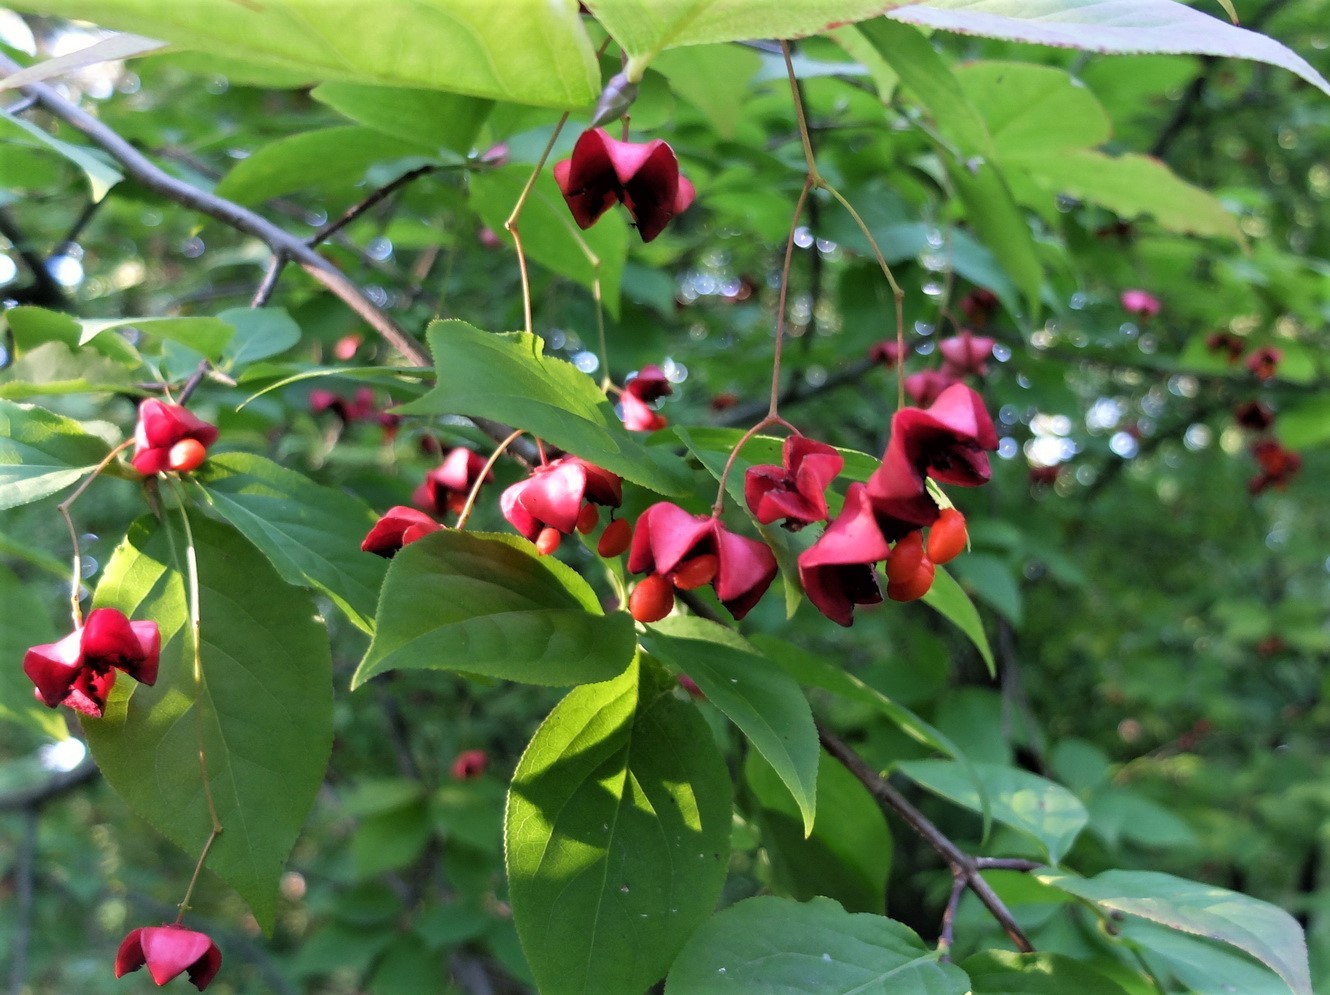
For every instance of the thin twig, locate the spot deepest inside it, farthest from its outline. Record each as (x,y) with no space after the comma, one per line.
(958,862)
(281,242)
(356,210)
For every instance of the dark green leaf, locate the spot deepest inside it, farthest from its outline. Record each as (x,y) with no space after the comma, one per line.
(1002,972)
(618,835)
(848,854)
(773,945)
(487,604)
(262,706)
(509,378)
(101,175)
(763,701)
(1264,931)
(1204,967)
(310,533)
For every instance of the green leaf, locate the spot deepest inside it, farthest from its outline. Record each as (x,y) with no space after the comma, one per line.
(1026,802)
(260,332)
(310,533)
(508,378)
(549,234)
(338,156)
(1033,110)
(101,175)
(1264,931)
(42,453)
(1126,26)
(486,604)
(537,53)
(27,623)
(714,79)
(618,831)
(645,27)
(848,854)
(813,671)
(55,368)
(1004,972)
(993,582)
(1130,186)
(767,705)
(423,117)
(263,707)
(774,945)
(951,602)
(206,336)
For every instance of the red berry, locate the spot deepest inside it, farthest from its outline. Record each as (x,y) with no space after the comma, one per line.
(615,539)
(695,572)
(548,540)
(905,557)
(652,599)
(587,518)
(947,538)
(916,586)
(186,455)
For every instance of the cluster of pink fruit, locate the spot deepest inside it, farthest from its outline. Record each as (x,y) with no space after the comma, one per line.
(881,520)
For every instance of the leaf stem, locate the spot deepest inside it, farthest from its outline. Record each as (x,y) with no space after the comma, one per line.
(510,225)
(196,649)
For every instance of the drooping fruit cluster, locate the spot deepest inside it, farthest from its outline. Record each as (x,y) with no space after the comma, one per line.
(649,385)
(555,499)
(947,443)
(643,176)
(169,951)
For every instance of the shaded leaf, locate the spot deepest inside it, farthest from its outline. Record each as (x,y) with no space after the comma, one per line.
(311,533)
(101,175)
(206,336)
(1257,928)
(618,835)
(765,703)
(260,332)
(848,854)
(948,599)
(263,707)
(775,945)
(24,622)
(1004,972)
(486,604)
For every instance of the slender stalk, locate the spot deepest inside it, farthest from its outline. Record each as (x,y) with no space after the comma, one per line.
(465,513)
(719,505)
(510,225)
(76,583)
(377,195)
(773,406)
(816,179)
